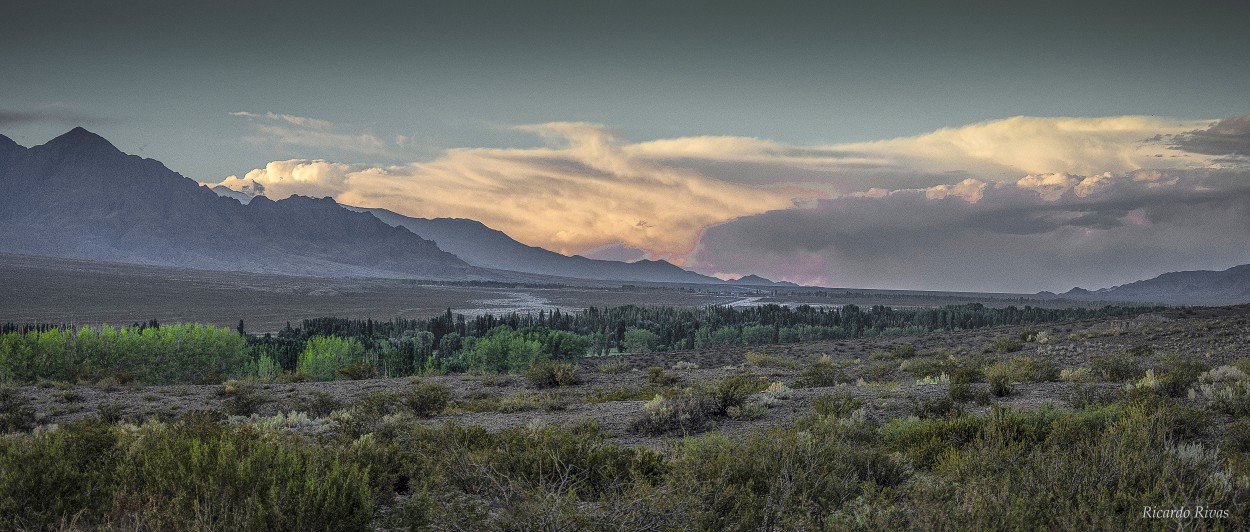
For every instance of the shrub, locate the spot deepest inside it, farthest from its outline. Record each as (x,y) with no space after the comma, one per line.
(778,390)
(963,392)
(837,406)
(428,399)
(684,412)
(684,365)
(935,408)
(244,402)
(1116,368)
(732,390)
(16,415)
(966,375)
(822,373)
(657,375)
(761,360)
(903,351)
(1080,374)
(1008,345)
(322,404)
(1178,374)
(549,373)
(748,411)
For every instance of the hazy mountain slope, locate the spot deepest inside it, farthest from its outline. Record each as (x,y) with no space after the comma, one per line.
(79,196)
(480,245)
(1201,287)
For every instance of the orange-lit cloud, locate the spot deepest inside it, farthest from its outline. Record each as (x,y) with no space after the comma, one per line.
(588,189)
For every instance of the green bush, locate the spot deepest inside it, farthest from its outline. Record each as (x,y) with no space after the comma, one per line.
(682,412)
(428,399)
(16,415)
(732,390)
(1008,345)
(1116,368)
(549,373)
(1179,373)
(836,405)
(659,376)
(821,373)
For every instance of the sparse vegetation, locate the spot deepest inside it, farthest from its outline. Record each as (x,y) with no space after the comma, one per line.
(924,450)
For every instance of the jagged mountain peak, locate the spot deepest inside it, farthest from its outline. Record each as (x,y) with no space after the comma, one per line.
(82,141)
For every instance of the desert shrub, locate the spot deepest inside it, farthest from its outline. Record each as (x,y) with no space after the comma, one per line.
(244,402)
(963,392)
(1237,436)
(999,375)
(377,404)
(1028,369)
(615,366)
(1007,345)
(822,372)
(903,351)
(683,412)
(194,474)
(428,399)
(762,360)
(321,404)
(1116,368)
(966,375)
(622,393)
(1078,374)
(748,411)
(779,390)
(836,405)
(658,376)
(523,402)
(683,365)
(877,372)
(776,480)
(1179,373)
(549,373)
(930,367)
(1085,396)
(16,415)
(1139,351)
(732,390)
(47,477)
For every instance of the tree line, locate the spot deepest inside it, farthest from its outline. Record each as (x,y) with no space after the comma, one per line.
(332,347)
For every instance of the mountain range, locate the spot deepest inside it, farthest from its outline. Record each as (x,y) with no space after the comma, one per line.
(1199,287)
(78,196)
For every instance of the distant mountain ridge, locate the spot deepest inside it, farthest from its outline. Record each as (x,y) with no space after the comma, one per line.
(1198,287)
(483,246)
(79,196)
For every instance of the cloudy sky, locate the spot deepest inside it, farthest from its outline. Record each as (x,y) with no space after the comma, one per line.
(962,146)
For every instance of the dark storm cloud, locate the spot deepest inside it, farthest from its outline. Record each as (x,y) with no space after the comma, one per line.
(1013,239)
(1230,136)
(58,116)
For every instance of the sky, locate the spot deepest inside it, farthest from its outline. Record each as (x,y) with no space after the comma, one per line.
(919,145)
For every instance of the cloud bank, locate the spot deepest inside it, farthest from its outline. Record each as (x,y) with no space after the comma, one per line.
(1018,204)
